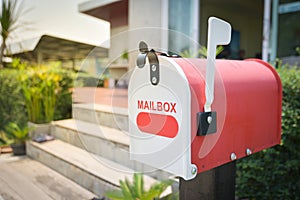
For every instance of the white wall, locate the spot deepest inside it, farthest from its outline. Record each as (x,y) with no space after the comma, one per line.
(118,43)
(147,22)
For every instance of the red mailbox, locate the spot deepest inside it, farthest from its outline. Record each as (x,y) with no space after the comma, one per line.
(184,118)
(248,105)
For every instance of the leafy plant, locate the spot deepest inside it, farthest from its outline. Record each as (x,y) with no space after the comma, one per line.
(136,191)
(201,53)
(63,106)
(9,17)
(47,90)
(275,173)
(39,88)
(42,87)
(298,50)
(18,134)
(12,107)
(125,55)
(4,140)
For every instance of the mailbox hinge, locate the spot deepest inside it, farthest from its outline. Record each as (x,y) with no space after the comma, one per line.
(153,61)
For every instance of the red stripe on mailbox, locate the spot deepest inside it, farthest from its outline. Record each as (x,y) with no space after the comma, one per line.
(157,124)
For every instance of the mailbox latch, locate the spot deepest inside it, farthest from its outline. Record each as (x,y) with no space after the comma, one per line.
(207,123)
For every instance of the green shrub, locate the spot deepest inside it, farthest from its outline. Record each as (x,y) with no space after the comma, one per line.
(136,190)
(47,92)
(36,93)
(12,105)
(5,139)
(275,173)
(17,133)
(63,107)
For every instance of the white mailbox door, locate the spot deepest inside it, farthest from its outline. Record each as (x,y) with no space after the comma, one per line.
(159,119)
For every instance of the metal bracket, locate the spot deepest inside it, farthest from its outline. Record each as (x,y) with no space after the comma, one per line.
(207,123)
(153,61)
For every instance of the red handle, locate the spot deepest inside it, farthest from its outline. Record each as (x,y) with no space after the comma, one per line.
(157,124)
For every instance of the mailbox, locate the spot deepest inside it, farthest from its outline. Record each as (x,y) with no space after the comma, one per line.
(174,127)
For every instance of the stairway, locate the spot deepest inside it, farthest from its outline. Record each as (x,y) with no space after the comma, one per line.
(92,149)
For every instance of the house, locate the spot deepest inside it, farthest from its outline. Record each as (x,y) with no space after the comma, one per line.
(64,35)
(175,25)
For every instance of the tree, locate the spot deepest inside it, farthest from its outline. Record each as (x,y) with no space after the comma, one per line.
(8,19)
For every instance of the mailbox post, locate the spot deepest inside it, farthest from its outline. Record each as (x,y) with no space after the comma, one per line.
(217,183)
(197,116)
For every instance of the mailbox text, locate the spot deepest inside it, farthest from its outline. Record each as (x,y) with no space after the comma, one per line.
(157,106)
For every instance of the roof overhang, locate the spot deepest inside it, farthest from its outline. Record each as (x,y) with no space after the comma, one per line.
(114,11)
(49,48)
(92,4)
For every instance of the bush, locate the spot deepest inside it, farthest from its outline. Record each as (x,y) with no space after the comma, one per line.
(47,92)
(18,134)
(135,190)
(275,173)
(12,103)
(64,99)
(41,91)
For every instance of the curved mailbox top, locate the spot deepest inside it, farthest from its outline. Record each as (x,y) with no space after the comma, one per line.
(248,98)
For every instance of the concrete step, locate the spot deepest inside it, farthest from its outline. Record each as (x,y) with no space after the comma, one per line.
(106,142)
(113,117)
(92,172)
